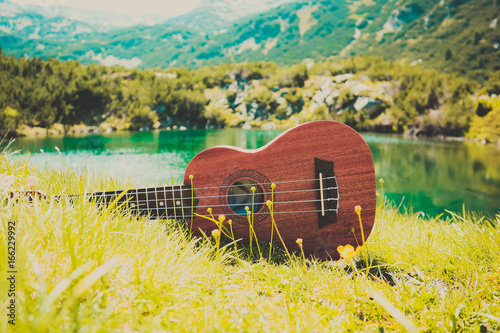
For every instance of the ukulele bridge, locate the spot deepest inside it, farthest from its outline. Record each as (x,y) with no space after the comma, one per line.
(328,194)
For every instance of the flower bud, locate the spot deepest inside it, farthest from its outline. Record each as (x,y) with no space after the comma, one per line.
(216,233)
(31,181)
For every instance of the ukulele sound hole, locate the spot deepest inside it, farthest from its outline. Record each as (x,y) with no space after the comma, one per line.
(240,196)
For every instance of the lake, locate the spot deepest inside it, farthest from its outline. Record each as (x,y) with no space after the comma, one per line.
(429,176)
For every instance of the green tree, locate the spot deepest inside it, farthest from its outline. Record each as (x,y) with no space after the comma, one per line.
(9,118)
(448,55)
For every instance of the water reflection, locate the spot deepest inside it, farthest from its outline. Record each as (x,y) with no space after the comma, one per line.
(434,176)
(430,176)
(193,141)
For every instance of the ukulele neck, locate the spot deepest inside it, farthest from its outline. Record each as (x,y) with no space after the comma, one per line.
(177,202)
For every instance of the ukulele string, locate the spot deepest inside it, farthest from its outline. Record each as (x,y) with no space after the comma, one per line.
(137,203)
(166,215)
(282,182)
(117,193)
(239,195)
(133,204)
(236,214)
(107,194)
(166,200)
(165,210)
(147,200)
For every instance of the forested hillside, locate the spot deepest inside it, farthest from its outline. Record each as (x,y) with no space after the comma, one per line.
(366,93)
(450,35)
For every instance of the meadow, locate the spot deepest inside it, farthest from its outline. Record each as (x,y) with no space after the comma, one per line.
(85,269)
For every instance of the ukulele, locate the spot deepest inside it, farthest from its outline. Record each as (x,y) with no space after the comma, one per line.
(313,174)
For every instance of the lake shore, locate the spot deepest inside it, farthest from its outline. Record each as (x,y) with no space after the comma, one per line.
(81,129)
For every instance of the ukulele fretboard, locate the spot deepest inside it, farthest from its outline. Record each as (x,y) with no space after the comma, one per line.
(158,202)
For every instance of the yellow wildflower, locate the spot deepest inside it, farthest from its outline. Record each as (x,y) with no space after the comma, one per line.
(347,252)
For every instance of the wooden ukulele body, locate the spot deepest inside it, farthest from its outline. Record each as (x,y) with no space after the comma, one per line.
(321,212)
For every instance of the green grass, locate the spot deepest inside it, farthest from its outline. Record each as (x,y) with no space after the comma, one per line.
(81,269)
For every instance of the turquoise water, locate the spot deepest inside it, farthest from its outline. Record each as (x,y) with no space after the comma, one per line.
(429,176)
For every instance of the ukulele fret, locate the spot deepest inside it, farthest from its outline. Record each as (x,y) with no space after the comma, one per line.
(182,204)
(136,198)
(122,200)
(142,202)
(156,203)
(166,203)
(173,201)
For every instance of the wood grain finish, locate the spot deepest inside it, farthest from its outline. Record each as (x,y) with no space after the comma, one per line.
(284,161)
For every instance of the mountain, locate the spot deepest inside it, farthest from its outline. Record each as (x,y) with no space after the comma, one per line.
(36,22)
(452,35)
(215,13)
(19,23)
(38,26)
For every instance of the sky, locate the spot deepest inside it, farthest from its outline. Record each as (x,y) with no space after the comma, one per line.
(130,7)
